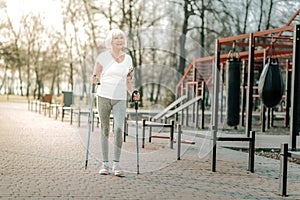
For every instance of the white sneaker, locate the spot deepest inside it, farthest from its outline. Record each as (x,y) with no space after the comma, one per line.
(104,169)
(116,169)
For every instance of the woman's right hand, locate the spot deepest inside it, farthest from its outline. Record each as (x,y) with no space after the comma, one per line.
(96,73)
(93,79)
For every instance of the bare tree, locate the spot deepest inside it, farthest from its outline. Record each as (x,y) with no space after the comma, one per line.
(16,34)
(268,21)
(26,49)
(188,11)
(34,30)
(247,5)
(260,15)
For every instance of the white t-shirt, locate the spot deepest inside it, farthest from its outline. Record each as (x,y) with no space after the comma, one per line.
(113,76)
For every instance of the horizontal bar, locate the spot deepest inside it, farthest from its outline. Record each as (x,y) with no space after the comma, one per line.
(162,137)
(159,125)
(186,142)
(234,139)
(294,154)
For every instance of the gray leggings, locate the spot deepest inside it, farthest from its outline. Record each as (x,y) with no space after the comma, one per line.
(118,108)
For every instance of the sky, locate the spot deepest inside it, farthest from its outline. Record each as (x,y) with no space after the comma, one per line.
(49,9)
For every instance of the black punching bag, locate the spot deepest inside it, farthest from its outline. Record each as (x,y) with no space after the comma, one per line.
(270,85)
(233,73)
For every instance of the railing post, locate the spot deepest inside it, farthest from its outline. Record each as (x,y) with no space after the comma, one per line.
(40,107)
(179,141)
(182,116)
(203,105)
(288,96)
(150,130)
(214,151)
(249,100)
(197,113)
(251,152)
(71,117)
(295,90)
(143,137)
(50,110)
(172,134)
(215,110)
(35,105)
(56,111)
(79,117)
(125,127)
(283,169)
(263,107)
(45,108)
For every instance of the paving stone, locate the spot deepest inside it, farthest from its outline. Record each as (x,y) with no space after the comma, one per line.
(43,158)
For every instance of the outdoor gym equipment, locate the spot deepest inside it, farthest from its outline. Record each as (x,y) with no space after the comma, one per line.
(233,66)
(270,86)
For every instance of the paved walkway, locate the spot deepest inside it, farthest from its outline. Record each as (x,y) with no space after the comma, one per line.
(43,158)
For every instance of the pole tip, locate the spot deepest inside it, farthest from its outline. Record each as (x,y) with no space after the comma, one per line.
(86,163)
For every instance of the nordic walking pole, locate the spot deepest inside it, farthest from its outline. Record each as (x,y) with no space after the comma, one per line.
(90,124)
(136,131)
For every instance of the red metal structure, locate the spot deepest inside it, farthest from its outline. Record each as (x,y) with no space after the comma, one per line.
(281,39)
(254,48)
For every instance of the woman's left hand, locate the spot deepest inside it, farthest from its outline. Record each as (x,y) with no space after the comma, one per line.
(135,95)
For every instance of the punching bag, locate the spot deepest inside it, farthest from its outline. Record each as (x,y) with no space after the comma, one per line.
(270,85)
(233,73)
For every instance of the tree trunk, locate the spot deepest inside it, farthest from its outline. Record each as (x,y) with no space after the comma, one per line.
(261,15)
(246,15)
(20,79)
(4,77)
(53,82)
(157,94)
(28,81)
(182,39)
(202,34)
(268,24)
(71,83)
(152,93)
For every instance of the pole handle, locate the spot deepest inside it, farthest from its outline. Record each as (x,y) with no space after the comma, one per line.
(93,85)
(135,92)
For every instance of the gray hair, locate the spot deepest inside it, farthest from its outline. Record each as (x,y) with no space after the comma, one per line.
(110,35)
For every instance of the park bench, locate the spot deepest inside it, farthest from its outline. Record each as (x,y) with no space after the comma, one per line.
(151,124)
(79,111)
(43,104)
(164,124)
(46,103)
(251,151)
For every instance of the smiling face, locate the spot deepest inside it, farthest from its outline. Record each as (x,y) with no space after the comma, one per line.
(118,41)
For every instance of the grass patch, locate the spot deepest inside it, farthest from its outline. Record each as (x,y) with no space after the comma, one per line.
(13,98)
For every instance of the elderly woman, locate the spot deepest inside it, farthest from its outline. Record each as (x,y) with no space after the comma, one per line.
(114,70)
